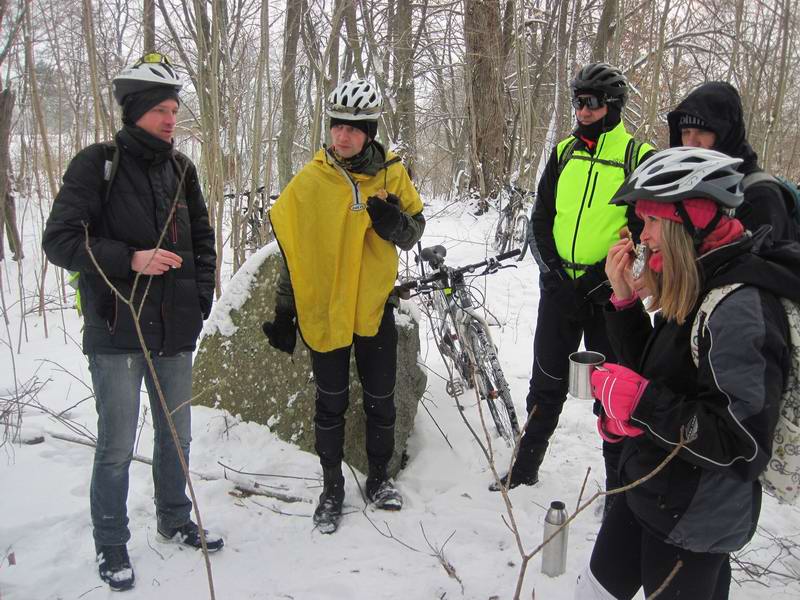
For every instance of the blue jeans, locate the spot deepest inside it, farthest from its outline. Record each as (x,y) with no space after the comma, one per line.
(117,380)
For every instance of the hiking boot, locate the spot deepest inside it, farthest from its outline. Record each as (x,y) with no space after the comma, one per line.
(383,494)
(115,568)
(189,535)
(517,479)
(329,510)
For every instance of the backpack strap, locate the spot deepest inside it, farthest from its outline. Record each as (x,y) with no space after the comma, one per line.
(631,156)
(566,155)
(707,306)
(758,177)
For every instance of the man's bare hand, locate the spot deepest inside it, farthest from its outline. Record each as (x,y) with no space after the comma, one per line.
(155,262)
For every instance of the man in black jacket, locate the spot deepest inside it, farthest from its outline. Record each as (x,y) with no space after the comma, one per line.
(711,117)
(138,206)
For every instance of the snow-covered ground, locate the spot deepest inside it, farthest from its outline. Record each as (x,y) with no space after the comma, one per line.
(271,548)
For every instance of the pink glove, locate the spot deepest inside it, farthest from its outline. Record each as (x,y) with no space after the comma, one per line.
(613,431)
(618,389)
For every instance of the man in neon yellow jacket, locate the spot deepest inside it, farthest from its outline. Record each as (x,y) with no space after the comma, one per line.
(338,223)
(572,227)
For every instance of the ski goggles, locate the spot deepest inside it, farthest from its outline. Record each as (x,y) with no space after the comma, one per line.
(153,58)
(590,102)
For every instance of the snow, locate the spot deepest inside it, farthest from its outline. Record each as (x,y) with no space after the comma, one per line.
(271,550)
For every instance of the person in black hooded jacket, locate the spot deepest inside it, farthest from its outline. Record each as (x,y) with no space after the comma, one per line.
(149,222)
(711,117)
(704,503)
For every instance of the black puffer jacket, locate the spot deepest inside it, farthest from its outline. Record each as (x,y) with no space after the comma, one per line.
(138,208)
(708,498)
(719,105)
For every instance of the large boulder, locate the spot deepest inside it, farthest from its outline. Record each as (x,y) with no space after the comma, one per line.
(237,370)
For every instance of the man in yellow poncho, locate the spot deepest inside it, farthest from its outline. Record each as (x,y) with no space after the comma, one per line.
(339,222)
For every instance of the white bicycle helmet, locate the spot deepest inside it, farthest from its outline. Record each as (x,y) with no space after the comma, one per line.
(356,100)
(683,173)
(152,70)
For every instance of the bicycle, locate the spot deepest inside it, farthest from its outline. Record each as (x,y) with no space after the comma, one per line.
(512,227)
(463,336)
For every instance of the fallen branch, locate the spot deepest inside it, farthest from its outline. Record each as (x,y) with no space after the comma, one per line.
(246,487)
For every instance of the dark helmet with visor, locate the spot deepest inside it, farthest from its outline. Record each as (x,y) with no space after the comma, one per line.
(602,79)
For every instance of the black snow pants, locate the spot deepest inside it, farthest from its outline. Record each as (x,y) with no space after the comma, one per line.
(376,361)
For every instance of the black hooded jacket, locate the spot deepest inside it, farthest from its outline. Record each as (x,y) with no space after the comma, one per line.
(137,211)
(719,105)
(708,498)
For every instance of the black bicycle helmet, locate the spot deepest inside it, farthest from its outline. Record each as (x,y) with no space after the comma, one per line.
(682,173)
(603,78)
(152,70)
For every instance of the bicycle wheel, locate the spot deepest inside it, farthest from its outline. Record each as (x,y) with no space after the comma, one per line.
(492,383)
(450,344)
(501,233)
(520,234)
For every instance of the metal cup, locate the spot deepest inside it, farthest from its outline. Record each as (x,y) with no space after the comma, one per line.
(581,365)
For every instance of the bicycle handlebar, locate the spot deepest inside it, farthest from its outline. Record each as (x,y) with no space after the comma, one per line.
(434,255)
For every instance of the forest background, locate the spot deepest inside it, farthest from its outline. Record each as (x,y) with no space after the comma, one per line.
(476,91)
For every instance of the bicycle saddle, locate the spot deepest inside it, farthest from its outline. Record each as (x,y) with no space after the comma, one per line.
(434,255)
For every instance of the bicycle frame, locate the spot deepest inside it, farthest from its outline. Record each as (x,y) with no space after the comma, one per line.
(463,336)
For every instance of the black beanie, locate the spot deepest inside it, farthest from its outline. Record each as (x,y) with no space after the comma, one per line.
(691,121)
(370,128)
(136,105)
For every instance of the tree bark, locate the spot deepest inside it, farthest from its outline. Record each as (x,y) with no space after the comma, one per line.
(291,34)
(149,26)
(604,31)
(485,95)
(406,97)
(8,222)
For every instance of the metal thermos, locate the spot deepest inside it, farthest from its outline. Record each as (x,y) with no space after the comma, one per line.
(554,554)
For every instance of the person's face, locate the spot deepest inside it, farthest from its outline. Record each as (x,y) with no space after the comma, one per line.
(586,115)
(160,120)
(347,141)
(698,138)
(651,234)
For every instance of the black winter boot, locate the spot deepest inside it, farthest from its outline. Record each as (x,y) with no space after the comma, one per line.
(115,568)
(189,535)
(381,491)
(524,472)
(329,510)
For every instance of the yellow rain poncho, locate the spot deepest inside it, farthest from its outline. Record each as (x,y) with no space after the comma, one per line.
(342,272)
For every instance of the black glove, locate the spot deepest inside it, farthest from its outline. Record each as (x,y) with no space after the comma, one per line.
(386,215)
(282,332)
(593,286)
(205,306)
(564,292)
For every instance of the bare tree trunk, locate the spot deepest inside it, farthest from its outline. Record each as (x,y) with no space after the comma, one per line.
(604,31)
(291,34)
(100,117)
(657,65)
(6,219)
(775,114)
(353,43)
(30,67)
(486,101)
(406,98)
(258,123)
(149,26)
(208,44)
(733,65)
